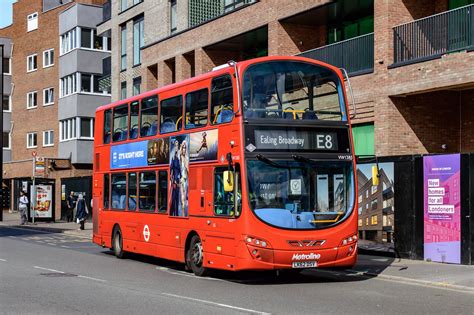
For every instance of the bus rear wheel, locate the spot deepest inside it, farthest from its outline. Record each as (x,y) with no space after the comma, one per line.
(195,257)
(117,243)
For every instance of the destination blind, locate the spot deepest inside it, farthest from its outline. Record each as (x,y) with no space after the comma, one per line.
(295,140)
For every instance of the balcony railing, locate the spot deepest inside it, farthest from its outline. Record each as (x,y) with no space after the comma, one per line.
(434,36)
(106,11)
(356,55)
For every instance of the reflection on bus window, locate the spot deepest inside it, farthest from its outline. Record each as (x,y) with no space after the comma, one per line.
(120,123)
(119,191)
(133,120)
(162,191)
(196,109)
(224,201)
(106,191)
(149,116)
(222,100)
(107,125)
(292,90)
(171,115)
(132,191)
(147,191)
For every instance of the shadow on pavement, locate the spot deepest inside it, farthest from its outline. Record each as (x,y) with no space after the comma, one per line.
(25,230)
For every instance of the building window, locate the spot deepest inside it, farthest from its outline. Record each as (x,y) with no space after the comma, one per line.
(32,100)
(7,66)
(31,140)
(69,41)
(374,204)
(123,5)
(6,140)
(32,63)
(86,128)
(48,138)
(48,96)
(373,220)
(76,128)
(137,82)
(6,103)
(137,41)
(123,47)
(48,58)
(173,12)
(67,129)
(123,90)
(86,38)
(32,22)
(374,189)
(68,85)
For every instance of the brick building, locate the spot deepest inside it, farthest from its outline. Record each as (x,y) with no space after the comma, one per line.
(38,102)
(409,60)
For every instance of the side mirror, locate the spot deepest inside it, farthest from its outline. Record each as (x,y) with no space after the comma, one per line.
(375,175)
(228,181)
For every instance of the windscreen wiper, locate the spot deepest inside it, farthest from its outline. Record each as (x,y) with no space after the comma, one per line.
(269,162)
(299,158)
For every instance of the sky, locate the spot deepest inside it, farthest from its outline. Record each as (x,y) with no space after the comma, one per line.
(6,12)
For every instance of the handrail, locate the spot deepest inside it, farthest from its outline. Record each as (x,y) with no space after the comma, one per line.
(233,64)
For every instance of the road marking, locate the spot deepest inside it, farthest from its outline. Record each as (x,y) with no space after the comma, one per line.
(90,278)
(3,259)
(52,244)
(52,270)
(185,274)
(13,237)
(64,246)
(214,303)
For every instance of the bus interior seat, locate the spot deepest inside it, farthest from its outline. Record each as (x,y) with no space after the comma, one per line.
(290,115)
(310,115)
(107,137)
(190,125)
(134,132)
(224,116)
(168,126)
(152,130)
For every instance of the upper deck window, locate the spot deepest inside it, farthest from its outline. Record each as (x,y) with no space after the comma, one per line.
(222,100)
(120,123)
(133,134)
(171,114)
(107,125)
(292,90)
(196,109)
(149,116)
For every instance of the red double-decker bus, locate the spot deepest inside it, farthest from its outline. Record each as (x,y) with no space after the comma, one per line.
(250,166)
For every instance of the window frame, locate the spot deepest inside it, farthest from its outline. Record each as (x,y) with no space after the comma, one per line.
(45,93)
(9,66)
(124,105)
(134,84)
(46,135)
(134,103)
(34,136)
(160,112)
(173,16)
(111,189)
(108,113)
(166,191)
(138,30)
(211,113)
(140,194)
(28,105)
(157,115)
(186,108)
(79,127)
(48,55)
(33,20)
(35,58)
(127,204)
(9,140)
(106,189)
(222,169)
(9,97)
(123,47)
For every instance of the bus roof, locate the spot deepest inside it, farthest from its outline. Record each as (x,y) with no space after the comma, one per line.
(219,70)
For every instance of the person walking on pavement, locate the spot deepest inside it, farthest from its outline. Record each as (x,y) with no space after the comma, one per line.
(81,211)
(71,204)
(23,207)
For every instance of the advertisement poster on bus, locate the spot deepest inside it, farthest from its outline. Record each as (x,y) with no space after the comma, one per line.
(376,204)
(442,208)
(203,146)
(43,206)
(158,151)
(179,171)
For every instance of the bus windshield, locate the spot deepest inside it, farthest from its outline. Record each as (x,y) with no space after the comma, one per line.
(300,195)
(292,90)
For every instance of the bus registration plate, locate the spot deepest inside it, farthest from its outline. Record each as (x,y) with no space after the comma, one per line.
(304,264)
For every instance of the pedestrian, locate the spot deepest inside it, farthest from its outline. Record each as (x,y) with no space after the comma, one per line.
(71,204)
(23,207)
(81,211)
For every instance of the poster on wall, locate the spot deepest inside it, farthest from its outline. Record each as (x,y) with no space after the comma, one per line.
(203,146)
(376,204)
(442,208)
(179,176)
(43,206)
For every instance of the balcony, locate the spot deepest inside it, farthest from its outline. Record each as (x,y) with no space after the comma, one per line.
(356,55)
(431,37)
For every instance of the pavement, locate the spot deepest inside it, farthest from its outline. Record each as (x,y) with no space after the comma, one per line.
(373,260)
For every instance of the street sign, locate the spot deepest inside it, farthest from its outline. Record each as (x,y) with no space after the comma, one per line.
(39,166)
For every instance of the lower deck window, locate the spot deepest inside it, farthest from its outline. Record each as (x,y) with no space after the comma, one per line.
(147,191)
(119,191)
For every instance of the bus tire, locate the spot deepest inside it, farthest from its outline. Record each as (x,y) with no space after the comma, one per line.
(195,257)
(117,243)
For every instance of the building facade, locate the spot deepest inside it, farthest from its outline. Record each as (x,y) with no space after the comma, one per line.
(40,105)
(407,59)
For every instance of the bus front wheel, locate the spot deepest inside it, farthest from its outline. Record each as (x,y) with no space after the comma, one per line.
(195,257)
(117,243)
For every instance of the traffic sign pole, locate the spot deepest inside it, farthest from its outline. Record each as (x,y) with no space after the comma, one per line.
(33,189)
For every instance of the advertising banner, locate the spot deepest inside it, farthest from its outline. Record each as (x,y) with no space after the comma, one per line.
(44,200)
(442,208)
(203,146)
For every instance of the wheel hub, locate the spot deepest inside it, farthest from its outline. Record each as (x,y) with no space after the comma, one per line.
(197,254)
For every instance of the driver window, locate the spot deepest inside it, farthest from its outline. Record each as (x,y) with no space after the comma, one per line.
(133,134)
(224,201)
(171,114)
(222,100)
(120,123)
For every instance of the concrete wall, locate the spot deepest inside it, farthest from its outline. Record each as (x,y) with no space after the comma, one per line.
(81,150)
(80,105)
(80,15)
(80,60)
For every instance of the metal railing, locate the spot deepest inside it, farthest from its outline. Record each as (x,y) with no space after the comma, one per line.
(434,36)
(356,55)
(106,11)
